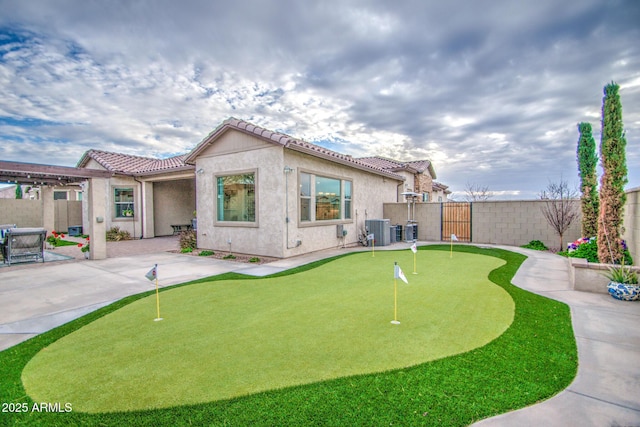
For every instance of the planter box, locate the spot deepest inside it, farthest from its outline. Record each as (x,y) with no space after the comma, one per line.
(590,277)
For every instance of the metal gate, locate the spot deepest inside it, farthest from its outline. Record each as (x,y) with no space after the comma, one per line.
(456,219)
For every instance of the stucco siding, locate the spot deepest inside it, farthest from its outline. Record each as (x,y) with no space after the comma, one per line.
(369,193)
(264,237)
(277,230)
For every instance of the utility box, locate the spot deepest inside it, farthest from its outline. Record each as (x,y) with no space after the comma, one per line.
(340,231)
(409,232)
(393,234)
(75,230)
(380,228)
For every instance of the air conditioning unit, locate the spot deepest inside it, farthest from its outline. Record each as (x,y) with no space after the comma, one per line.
(381,230)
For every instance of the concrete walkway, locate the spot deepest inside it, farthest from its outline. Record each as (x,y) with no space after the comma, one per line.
(606,390)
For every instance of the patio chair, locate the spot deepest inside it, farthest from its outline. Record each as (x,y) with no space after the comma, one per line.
(23,244)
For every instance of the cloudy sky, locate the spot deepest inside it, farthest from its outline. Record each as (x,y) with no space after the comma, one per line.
(490,91)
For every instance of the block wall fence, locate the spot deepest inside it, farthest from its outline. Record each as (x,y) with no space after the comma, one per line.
(501,222)
(514,223)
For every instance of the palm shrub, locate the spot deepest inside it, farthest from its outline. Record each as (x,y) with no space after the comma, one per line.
(188,240)
(587,161)
(612,196)
(114,234)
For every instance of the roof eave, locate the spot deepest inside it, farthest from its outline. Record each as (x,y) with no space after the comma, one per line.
(345,162)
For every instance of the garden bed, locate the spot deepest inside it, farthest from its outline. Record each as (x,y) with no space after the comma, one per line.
(590,276)
(224,255)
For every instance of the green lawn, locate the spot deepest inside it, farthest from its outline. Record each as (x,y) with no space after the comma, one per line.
(311,346)
(229,338)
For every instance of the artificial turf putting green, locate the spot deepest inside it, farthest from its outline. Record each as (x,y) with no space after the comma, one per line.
(224,339)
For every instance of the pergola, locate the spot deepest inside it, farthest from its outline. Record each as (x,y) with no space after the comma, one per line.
(48,176)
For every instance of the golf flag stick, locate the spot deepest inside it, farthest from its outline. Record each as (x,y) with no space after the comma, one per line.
(153,275)
(397,274)
(373,244)
(414,249)
(453,237)
(395,296)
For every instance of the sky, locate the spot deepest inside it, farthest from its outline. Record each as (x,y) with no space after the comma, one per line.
(490,91)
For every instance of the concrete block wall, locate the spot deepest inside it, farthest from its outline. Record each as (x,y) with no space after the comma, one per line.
(427,216)
(505,222)
(22,212)
(516,223)
(631,223)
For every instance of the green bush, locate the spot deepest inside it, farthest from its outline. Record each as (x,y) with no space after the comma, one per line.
(186,250)
(188,240)
(229,256)
(589,251)
(206,253)
(536,245)
(254,259)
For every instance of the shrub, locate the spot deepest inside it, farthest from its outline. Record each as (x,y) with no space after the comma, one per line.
(229,256)
(254,259)
(114,234)
(536,245)
(588,249)
(583,248)
(186,250)
(188,240)
(206,253)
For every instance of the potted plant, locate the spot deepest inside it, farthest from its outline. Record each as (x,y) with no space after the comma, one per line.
(85,248)
(623,283)
(127,212)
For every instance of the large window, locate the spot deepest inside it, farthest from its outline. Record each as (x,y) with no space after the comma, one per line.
(327,198)
(123,198)
(236,195)
(324,198)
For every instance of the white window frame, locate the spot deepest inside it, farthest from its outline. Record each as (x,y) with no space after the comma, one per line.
(238,223)
(345,217)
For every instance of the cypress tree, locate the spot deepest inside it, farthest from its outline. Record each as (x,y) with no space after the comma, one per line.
(18,191)
(613,160)
(587,161)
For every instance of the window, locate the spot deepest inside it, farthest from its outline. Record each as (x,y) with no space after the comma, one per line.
(323,198)
(60,195)
(425,197)
(236,196)
(123,199)
(327,198)
(305,197)
(347,199)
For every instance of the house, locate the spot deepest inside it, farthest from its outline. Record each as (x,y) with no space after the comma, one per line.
(257,191)
(145,196)
(419,177)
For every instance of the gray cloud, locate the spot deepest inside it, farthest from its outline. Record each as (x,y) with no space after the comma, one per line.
(491,92)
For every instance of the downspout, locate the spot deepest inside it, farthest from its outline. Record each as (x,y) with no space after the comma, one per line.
(141,213)
(287,171)
(398,192)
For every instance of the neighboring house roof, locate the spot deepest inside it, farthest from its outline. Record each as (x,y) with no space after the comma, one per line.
(127,164)
(415,166)
(289,142)
(438,186)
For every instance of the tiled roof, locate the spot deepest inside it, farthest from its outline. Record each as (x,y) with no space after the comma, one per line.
(414,166)
(128,164)
(287,142)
